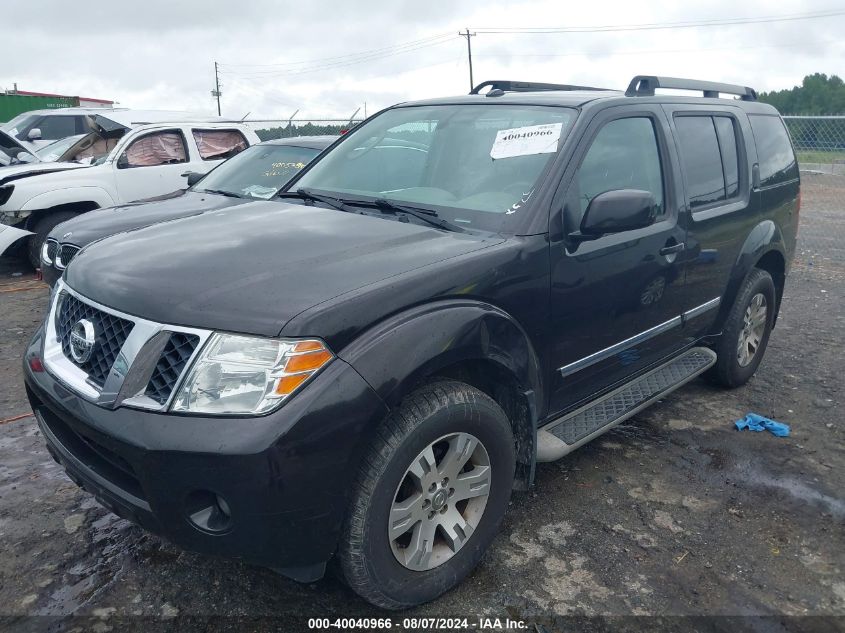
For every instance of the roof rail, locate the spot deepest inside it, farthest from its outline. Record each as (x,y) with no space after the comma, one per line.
(644,86)
(526,86)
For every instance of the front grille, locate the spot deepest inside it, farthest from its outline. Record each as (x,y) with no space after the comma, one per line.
(66,253)
(170,365)
(111,333)
(52,248)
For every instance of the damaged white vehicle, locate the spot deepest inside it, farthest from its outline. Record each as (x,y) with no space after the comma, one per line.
(113,164)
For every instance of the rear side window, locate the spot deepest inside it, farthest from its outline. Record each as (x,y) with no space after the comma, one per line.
(702,160)
(730,159)
(774,151)
(219,144)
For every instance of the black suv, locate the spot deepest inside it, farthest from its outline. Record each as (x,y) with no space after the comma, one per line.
(456,290)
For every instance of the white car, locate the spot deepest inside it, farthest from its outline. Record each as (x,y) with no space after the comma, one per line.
(113,165)
(37,128)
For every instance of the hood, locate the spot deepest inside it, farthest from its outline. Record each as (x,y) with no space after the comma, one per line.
(252,268)
(16,172)
(101,223)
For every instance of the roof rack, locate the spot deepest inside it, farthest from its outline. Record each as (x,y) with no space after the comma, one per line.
(644,86)
(526,86)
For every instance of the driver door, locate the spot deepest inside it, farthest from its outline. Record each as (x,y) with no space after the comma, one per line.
(615,300)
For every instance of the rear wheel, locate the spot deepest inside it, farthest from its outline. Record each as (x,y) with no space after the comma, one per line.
(42,229)
(429,497)
(746,333)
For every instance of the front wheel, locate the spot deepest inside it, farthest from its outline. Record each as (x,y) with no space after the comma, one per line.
(429,497)
(746,333)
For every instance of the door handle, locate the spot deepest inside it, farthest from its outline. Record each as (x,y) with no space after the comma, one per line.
(671,250)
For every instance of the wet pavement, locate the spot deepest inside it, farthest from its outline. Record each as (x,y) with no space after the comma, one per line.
(672,514)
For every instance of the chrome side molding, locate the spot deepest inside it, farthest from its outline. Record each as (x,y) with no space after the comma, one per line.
(607,352)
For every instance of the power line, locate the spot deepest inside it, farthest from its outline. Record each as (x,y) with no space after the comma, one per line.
(653,50)
(342,59)
(659,26)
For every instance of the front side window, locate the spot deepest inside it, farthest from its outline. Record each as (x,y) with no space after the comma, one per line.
(774,151)
(219,144)
(476,164)
(258,172)
(57,126)
(623,155)
(159,148)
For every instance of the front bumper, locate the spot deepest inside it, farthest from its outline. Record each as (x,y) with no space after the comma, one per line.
(50,274)
(284,476)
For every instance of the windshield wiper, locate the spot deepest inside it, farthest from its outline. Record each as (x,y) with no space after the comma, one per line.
(307,194)
(222,192)
(426,215)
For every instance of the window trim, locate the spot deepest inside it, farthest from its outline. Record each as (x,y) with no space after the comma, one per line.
(729,205)
(123,151)
(215,129)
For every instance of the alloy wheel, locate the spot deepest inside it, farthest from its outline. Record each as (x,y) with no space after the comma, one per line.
(439,501)
(753,328)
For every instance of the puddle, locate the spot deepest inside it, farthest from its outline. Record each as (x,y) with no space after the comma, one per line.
(799,490)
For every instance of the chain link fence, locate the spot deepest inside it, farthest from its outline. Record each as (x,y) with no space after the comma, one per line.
(819,142)
(267,129)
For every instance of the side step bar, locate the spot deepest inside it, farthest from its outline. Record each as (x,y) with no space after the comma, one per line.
(564,435)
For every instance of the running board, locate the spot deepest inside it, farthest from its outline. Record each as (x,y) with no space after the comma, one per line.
(564,435)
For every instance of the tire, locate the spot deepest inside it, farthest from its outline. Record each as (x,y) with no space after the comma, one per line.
(369,558)
(732,368)
(42,229)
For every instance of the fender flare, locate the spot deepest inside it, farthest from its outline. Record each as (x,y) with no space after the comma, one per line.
(72,195)
(764,238)
(399,352)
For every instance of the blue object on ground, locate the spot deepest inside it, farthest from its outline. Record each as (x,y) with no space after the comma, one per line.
(754,422)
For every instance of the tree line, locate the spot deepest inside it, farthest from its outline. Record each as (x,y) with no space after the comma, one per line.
(818,94)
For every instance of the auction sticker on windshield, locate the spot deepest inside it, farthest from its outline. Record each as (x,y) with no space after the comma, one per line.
(525,141)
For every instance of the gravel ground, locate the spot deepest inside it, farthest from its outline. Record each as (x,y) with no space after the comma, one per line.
(672,514)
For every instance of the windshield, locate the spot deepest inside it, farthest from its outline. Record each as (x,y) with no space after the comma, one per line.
(53,151)
(474,164)
(259,171)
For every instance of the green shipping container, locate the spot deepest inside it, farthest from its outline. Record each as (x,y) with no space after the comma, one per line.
(11,105)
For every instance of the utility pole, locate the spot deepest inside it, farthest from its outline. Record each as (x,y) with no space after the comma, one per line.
(216,91)
(468,35)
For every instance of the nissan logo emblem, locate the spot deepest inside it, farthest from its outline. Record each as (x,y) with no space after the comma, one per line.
(82,340)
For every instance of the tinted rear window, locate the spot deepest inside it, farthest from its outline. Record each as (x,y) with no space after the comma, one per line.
(774,151)
(730,161)
(702,160)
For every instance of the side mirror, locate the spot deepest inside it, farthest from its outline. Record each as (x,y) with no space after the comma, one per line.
(122,162)
(193,177)
(34,134)
(617,211)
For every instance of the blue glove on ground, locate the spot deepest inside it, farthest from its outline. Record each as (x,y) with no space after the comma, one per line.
(754,422)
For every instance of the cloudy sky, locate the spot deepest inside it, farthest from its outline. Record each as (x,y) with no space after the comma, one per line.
(327,58)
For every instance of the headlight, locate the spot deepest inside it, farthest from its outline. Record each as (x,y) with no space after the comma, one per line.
(45,253)
(248,375)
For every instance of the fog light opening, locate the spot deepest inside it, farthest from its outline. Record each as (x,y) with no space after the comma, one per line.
(208,512)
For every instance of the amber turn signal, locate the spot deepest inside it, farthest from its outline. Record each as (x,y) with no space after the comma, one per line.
(307,362)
